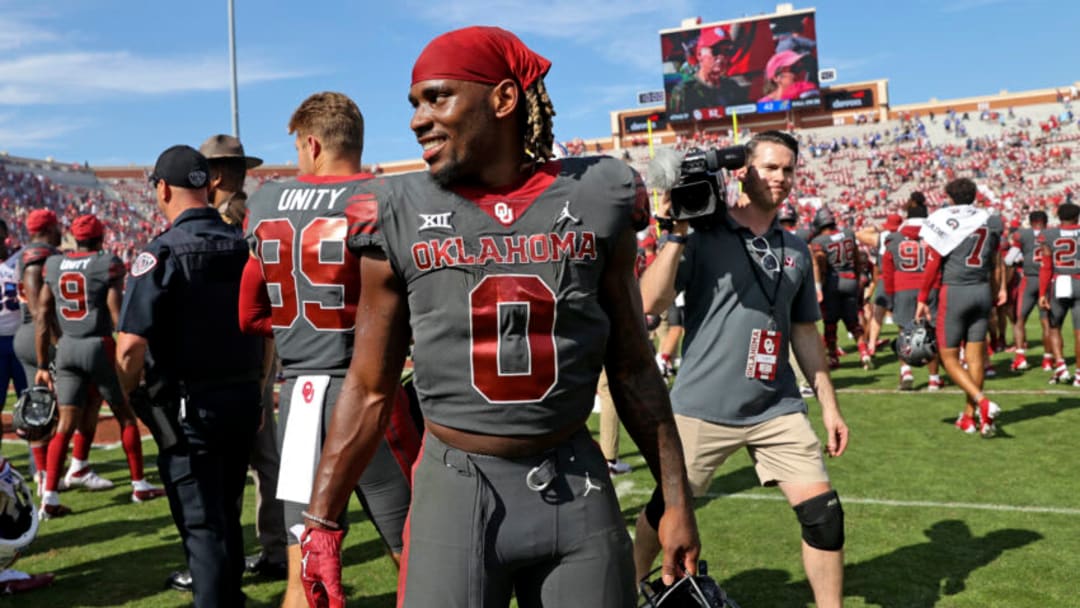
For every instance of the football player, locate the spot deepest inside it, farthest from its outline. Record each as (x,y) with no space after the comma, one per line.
(44,231)
(83,291)
(838,269)
(1059,284)
(297,229)
(514,275)
(971,278)
(902,268)
(1027,240)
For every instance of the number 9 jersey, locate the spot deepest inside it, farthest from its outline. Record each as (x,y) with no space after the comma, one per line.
(504,290)
(297,230)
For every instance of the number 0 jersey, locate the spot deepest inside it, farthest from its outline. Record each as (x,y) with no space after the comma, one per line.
(504,294)
(297,231)
(80,283)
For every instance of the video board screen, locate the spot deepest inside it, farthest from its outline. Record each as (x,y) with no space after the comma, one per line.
(748,66)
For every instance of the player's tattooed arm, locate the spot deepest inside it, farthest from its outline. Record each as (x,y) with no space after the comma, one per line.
(641,399)
(363,408)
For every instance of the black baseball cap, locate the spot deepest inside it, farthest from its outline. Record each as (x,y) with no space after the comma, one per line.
(181,167)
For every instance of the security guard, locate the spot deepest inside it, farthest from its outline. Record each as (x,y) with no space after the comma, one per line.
(179,318)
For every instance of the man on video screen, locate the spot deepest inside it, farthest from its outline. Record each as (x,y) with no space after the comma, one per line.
(710,87)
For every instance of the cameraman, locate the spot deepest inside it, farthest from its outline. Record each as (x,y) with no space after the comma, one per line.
(749,290)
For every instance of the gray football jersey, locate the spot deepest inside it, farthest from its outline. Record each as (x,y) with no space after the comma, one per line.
(34,253)
(80,282)
(505,307)
(973,259)
(1063,242)
(1028,241)
(840,250)
(297,230)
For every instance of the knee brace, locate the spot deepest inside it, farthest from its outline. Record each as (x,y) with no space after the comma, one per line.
(654,509)
(822,520)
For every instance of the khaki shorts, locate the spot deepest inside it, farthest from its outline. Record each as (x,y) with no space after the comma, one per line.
(784,449)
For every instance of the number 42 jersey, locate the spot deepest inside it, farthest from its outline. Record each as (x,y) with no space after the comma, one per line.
(504,290)
(297,229)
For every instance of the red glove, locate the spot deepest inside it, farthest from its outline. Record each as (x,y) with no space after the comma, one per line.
(320,567)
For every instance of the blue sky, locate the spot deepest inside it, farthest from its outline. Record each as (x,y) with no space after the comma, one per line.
(117,81)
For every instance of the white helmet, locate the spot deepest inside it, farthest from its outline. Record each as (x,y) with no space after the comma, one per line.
(18,517)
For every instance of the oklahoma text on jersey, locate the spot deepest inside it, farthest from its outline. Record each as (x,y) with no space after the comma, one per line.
(513,249)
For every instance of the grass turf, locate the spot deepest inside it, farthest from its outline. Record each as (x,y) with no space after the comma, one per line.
(934,517)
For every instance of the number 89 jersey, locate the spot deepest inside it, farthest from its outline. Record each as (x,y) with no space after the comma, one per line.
(504,303)
(297,231)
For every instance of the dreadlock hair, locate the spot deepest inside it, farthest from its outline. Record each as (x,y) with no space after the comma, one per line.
(539,137)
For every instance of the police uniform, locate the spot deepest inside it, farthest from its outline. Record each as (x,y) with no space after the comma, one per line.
(86,352)
(313,313)
(503,295)
(181,297)
(964,301)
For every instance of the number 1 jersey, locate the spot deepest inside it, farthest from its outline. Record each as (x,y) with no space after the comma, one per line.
(297,230)
(504,290)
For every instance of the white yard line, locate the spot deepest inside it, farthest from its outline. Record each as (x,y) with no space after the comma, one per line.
(991,392)
(627,488)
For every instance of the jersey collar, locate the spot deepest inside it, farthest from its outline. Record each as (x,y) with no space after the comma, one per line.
(198,213)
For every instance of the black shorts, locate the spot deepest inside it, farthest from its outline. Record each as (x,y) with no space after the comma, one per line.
(1028,298)
(905,303)
(1059,307)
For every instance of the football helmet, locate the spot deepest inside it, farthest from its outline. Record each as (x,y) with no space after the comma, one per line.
(916,344)
(18,517)
(823,218)
(787,213)
(35,413)
(699,591)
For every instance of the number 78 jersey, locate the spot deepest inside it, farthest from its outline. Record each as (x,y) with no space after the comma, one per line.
(972,261)
(297,230)
(504,305)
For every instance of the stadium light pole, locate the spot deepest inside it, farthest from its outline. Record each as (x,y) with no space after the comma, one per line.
(232,63)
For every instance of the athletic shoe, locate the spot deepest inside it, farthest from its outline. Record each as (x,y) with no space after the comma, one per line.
(618,467)
(834,361)
(840,352)
(806,391)
(48,511)
(264,567)
(907,381)
(965,423)
(86,478)
(1019,364)
(988,413)
(1047,365)
(1061,375)
(1076,379)
(17,582)
(935,385)
(989,372)
(180,580)
(867,362)
(148,494)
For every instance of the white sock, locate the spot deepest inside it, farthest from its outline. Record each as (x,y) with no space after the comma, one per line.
(50,498)
(141,485)
(77,465)
(935,377)
(1019,351)
(905,370)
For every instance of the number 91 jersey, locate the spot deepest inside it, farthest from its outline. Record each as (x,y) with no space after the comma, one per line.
(297,230)
(504,303)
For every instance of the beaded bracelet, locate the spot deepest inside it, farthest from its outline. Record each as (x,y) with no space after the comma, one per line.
(326,523)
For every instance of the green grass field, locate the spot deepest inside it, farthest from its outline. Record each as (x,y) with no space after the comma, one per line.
(934,517)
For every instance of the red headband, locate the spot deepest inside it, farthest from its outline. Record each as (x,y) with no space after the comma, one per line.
(86,227)
(479,54)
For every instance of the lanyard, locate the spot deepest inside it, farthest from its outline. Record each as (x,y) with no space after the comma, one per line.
(757,278)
